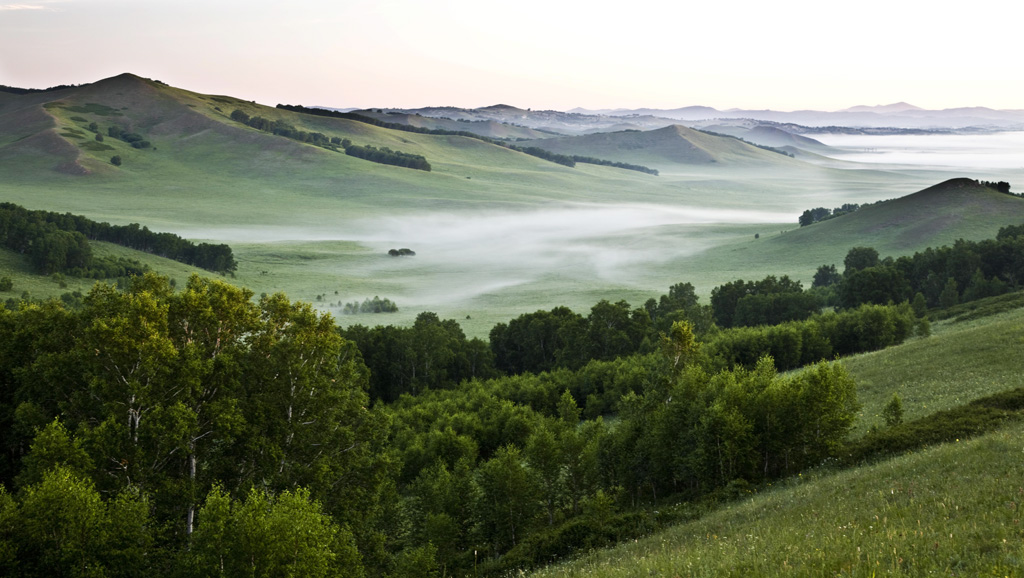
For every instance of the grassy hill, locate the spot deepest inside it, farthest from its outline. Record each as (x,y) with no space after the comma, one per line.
(939,215)
(672,145)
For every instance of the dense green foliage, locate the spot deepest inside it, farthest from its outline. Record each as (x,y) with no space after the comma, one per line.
(385,155)
(58,242)
(965,271)
(430,354)
(177,396)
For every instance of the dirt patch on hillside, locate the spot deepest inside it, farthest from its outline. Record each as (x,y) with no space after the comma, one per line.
(48,144)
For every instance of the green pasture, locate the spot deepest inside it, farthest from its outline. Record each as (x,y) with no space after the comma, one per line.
(958,363)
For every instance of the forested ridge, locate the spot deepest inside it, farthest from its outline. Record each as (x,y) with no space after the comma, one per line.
(202,432)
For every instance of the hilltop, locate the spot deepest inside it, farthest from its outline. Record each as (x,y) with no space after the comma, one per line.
(940,214)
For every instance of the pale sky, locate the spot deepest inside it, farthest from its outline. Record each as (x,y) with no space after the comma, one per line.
(540,54)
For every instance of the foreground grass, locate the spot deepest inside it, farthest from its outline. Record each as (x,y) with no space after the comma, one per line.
(902,517)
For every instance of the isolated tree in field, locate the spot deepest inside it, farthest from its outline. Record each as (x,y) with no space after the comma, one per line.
(893,411)
(115,160)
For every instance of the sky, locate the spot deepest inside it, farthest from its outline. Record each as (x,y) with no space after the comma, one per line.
(540,54)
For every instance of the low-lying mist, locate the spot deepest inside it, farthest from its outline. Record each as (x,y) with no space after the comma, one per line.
(465,255)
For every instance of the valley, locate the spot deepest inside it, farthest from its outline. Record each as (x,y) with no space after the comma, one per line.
(496,232)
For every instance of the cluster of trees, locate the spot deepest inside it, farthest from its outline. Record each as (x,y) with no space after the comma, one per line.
(566,160)
(382,155)
(432,354)
(134,139)
(385,155)
(811,216)
(403,252)
(195,432)
(1001,186)
(52,249)
(375,305)
(766,302)
(965,271)
(58,242)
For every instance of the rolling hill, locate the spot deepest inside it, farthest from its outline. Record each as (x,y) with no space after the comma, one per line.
(938,215)
(672,145)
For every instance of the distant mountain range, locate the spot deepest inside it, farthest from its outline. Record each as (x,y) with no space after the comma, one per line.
(897,117)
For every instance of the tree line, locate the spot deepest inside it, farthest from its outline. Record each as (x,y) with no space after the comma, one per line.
(57,242)
(383,155)
(936,277)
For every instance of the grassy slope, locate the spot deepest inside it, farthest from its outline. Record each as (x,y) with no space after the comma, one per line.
(899,517)
(958,363)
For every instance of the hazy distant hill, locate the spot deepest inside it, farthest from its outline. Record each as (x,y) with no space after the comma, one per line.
(551,121)
(772,136)
(486,127)
(674,144)
(900,115)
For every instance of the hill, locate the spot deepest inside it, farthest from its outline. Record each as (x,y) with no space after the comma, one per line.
(938,215)
(672,145)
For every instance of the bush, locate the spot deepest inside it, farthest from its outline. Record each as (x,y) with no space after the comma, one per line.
(6,284)
(115,160)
